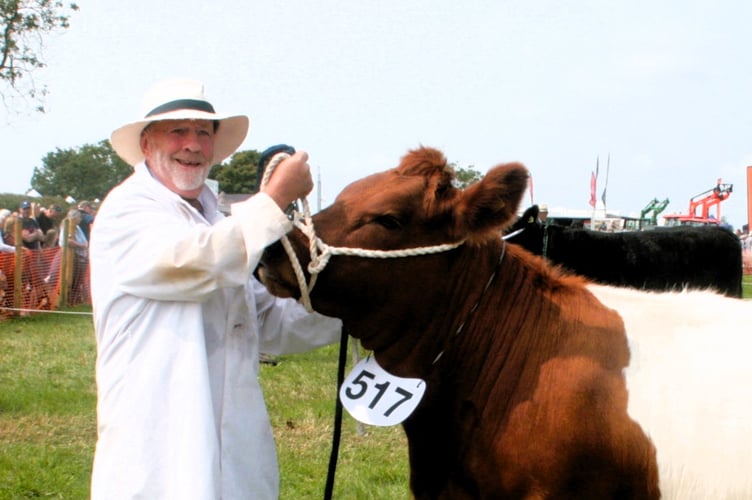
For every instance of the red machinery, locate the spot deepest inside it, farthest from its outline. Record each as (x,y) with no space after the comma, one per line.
(702,203)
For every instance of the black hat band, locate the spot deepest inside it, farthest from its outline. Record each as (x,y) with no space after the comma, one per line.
(181,104)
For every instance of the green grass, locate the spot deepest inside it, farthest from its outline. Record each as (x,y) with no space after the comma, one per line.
(747,286)
(300,394)
(48,427)
(48,420)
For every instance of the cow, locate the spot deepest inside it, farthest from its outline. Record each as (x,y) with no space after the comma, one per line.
(663,258)
(540,384)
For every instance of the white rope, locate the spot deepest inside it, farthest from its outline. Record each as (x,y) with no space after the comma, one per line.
(305,288)
(327,251)
(512,234)
(46,311)
(320,252)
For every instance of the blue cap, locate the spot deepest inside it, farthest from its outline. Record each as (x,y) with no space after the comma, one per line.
(25,204)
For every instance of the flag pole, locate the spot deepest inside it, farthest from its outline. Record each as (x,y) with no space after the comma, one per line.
(593,190)
(605,187)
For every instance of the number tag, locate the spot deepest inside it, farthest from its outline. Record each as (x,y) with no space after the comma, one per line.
(375,397)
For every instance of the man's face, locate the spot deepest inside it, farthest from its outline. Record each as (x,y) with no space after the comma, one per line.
(179,153)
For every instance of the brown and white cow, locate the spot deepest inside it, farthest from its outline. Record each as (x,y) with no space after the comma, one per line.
(539,383)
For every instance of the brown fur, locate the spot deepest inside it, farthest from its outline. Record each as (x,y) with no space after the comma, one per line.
(528,399)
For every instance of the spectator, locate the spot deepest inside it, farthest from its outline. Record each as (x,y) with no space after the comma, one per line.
(543,214)
(48,220)
(9,227)
(179,317)
(4,247)
(31,234)
(80,245)
(87,217)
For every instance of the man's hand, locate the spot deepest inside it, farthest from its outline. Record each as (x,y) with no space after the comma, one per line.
(290,181)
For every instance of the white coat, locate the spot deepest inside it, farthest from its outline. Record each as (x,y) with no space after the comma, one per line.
(179,323)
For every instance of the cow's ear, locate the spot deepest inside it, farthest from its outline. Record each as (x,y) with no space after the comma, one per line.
(491,204)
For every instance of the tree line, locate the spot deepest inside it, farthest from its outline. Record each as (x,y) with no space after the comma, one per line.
(89,172)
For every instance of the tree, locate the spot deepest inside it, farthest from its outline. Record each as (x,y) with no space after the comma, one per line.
(239,176)
(465,176)
(88,172)
(23,25)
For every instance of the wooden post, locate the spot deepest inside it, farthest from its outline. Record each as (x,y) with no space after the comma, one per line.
(65,267)
(18,270)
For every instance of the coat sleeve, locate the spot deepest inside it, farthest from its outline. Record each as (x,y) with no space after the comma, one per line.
(285,327)
(171,257)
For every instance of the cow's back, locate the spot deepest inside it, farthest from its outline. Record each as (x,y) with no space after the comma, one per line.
(660,259)
(690,355)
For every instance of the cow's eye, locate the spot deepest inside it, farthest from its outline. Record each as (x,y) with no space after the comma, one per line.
(388,221)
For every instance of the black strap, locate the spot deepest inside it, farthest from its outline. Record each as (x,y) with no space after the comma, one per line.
(329,489)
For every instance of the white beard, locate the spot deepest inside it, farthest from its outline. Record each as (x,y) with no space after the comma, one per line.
(183,178)
(189,179)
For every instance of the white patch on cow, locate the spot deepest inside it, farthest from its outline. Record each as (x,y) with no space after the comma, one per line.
(376,397)
(689,387)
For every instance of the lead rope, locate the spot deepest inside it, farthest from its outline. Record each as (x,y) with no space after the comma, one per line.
(305,288)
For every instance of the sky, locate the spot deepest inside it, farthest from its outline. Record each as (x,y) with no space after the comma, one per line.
(658,93)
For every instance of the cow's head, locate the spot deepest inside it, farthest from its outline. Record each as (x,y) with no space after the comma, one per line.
(413,205)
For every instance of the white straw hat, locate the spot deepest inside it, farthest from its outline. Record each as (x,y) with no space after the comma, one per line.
(179,99)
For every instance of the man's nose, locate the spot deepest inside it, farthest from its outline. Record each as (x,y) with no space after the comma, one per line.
(192,141)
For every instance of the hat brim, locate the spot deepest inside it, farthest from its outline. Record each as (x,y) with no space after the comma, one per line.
(232,131)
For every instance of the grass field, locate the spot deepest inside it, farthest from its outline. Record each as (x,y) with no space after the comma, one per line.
(48,429)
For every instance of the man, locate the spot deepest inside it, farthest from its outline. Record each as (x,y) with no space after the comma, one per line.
(4,246)
(179,318)
(30,232)
(87,217)
(48,220)
(543,214)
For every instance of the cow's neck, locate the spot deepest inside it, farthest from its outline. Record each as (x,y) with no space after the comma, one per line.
(529,323)
(468,317)
(434,330)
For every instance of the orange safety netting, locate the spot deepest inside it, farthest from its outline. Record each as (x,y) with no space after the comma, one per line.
(49,278)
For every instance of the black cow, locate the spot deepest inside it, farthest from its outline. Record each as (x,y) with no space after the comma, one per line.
(696,257)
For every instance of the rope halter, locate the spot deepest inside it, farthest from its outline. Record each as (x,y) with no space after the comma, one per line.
(320,252)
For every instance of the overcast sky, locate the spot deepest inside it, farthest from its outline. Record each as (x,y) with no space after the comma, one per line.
(663,88)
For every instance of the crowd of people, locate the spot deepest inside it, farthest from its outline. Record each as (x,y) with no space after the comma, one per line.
(41,241)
